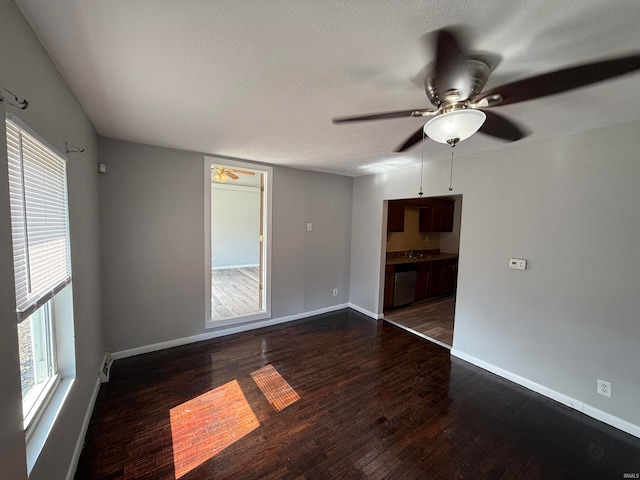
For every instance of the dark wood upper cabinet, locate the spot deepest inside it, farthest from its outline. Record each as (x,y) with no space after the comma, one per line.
(436,215)
(395,216)
(447,215)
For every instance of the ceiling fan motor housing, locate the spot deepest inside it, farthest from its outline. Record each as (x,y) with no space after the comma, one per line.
(471,79)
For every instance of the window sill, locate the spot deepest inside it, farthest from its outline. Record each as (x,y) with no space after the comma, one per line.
(39,430)
(37,400)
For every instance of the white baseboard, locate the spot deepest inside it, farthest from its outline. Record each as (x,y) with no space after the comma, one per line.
(83,432)
(357,308)
(224,331)
(588,410)
(227,267)
(612,420)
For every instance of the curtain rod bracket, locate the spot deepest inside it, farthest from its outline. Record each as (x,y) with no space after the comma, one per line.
(22,105)
(72,148)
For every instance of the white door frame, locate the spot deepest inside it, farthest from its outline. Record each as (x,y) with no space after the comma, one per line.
(210,160)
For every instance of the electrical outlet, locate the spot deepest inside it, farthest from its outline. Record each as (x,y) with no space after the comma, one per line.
(604,388)
(335,292)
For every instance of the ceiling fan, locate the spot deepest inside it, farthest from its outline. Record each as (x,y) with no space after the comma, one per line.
(454,88)
(222,174)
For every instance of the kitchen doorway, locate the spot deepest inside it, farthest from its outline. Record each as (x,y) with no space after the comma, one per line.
(421,267)
(237,237)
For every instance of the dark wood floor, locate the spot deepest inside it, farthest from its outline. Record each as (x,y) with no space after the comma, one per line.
(431,318)
(370,401)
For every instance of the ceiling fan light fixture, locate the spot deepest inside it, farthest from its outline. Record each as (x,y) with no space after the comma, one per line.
(460,124)
(220,177)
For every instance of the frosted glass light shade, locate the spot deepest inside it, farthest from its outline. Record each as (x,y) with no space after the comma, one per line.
(459,124)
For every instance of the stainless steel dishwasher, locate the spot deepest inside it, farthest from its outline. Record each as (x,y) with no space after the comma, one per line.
(404,289)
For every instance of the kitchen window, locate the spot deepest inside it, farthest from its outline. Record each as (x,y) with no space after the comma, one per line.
(42,269)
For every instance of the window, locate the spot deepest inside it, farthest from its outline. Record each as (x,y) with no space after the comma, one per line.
(38,370)
(39,227)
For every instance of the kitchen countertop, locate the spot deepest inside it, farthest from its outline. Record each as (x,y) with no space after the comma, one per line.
(426,258)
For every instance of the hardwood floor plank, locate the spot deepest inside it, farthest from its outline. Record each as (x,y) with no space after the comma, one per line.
(375,402)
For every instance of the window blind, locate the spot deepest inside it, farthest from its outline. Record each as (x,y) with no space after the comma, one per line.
(38,202)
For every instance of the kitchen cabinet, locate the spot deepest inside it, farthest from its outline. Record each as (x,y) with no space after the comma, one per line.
(389,272)
(434,288)
(422,283)
(434,278)
(436,215)
(449,276)
(447,215)
(395,216)
(442,280)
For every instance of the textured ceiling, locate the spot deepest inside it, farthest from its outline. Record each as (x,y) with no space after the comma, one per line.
(261,80)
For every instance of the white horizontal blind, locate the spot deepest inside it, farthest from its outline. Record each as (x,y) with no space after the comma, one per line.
(38,198)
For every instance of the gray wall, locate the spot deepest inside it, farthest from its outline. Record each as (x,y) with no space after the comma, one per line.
(235,225)
(152,227)
(55,114)
(570,206)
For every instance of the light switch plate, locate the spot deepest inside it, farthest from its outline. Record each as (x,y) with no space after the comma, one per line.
(517,263)
(309,227)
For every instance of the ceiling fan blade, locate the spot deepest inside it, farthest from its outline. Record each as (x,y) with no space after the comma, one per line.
(563,80)
(450,58)
(412,140)
(418,112)
(501,127)
(231,174)
(247,172)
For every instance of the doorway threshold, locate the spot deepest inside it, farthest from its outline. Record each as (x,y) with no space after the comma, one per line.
(421,335)
(238,320)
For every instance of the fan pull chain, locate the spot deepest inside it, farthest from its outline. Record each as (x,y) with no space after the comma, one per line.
(421,165)
(451,170)
(453,142)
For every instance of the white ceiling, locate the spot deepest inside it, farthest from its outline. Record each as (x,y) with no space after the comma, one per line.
(261,80)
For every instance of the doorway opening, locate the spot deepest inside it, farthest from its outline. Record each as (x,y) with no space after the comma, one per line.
(421,267)
(237,233)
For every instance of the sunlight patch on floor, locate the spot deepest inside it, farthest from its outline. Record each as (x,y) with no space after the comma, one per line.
(274,387)
(204,426)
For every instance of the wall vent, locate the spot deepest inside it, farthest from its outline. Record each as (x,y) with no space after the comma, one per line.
(106,367)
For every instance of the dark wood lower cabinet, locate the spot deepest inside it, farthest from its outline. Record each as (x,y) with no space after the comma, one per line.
(435,278)
(443,277)
(388,286)
(449,276)
(422,283)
